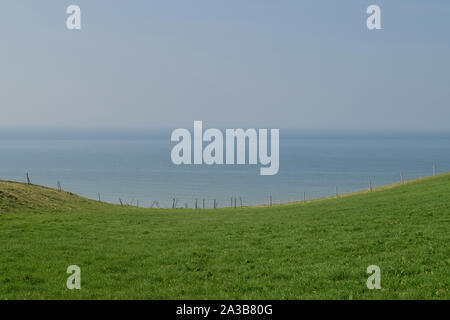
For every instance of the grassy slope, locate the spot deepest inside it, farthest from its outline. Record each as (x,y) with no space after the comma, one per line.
(316,250)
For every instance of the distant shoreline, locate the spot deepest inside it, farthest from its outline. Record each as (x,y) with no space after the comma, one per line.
(91,133)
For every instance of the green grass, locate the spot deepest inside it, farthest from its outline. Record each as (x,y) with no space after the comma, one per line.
(317,250)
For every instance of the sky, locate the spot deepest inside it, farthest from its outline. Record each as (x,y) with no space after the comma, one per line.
(230,63)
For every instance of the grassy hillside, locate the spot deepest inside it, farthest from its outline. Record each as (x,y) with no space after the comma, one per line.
(316,250)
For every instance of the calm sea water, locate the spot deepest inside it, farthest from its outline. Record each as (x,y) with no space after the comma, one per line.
(136,166)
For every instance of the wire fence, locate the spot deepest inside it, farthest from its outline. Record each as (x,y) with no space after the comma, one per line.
(239,201)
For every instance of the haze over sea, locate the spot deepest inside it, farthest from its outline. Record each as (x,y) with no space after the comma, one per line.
(135,165)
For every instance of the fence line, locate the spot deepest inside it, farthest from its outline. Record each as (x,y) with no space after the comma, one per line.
(214,202)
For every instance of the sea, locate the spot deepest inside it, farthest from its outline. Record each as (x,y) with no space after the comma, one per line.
(135,165)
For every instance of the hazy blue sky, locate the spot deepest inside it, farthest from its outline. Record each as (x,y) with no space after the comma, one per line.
(252,63)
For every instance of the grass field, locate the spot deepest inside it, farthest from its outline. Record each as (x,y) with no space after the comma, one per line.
(317,250)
